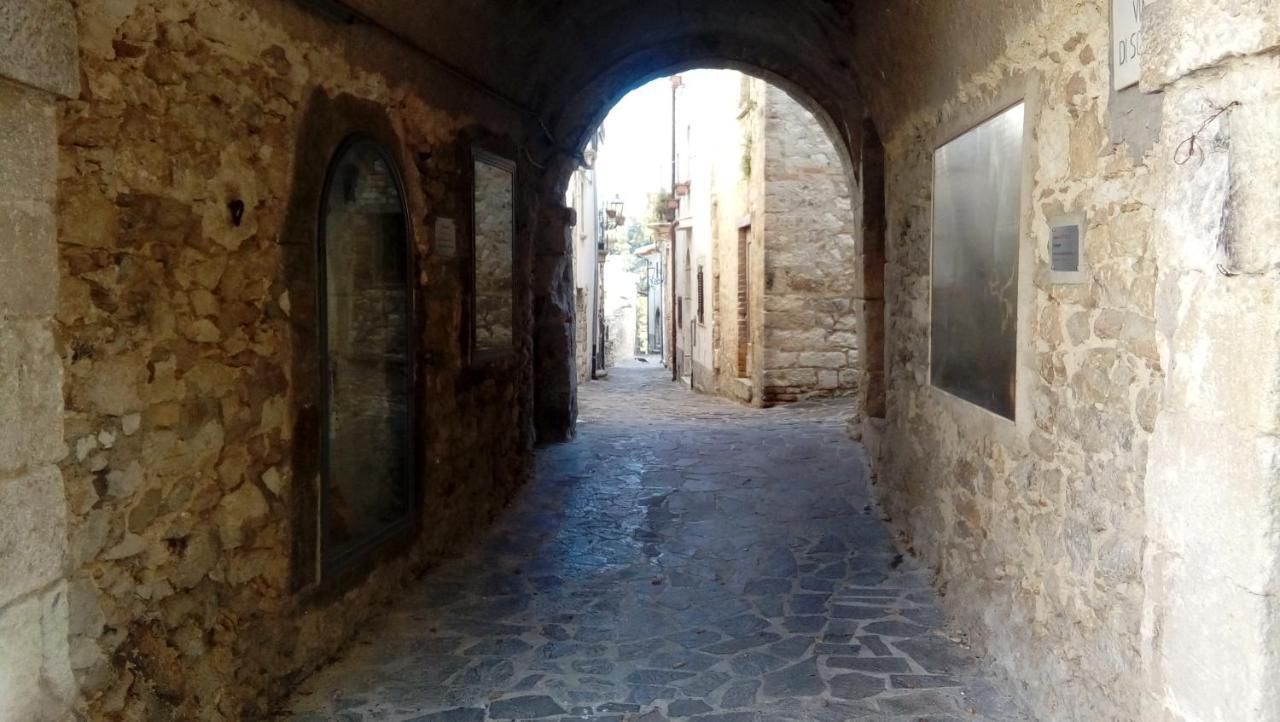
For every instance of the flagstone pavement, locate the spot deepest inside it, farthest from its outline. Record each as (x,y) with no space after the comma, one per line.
(685,558)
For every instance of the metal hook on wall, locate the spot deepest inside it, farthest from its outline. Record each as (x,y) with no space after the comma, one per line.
(237,211)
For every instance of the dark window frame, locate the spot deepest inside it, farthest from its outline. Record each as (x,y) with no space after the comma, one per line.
(332,570)
(490,154)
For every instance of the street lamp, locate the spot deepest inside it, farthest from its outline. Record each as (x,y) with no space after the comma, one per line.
(610,219)
(616,219)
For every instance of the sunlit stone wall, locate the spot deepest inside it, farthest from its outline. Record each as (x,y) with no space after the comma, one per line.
(189,344)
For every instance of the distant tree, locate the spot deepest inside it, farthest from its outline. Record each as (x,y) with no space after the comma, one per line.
(627,240)
(637,236)
(658,201)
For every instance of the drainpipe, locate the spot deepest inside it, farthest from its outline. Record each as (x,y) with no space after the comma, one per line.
(676,82)
(593,210)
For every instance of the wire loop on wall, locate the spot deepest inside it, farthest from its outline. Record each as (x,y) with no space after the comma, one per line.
(1190,143)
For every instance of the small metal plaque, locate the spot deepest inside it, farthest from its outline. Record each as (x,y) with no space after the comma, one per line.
(1066,249)
(446,238)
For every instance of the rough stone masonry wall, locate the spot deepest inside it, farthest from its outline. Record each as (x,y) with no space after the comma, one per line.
(494,214)
(1035,529)
(809,325)
(178,329)
(36,682)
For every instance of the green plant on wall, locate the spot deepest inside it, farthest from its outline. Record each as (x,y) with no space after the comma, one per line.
(658,205)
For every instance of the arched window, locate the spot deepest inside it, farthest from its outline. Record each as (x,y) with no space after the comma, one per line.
(366,308)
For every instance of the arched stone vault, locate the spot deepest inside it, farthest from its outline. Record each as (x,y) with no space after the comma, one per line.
(575,120)
(533,52)
(565,64)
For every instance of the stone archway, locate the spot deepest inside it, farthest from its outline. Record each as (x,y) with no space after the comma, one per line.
(842,117)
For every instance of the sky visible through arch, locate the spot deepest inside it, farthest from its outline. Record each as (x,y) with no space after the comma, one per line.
(635,158)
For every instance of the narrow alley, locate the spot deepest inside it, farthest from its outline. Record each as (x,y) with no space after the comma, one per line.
(320,399)
(685,558)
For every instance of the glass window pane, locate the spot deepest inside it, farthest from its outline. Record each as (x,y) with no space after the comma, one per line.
(976,213)
(367,491)
(495,233)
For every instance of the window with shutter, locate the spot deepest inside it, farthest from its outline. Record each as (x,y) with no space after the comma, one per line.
(702,318)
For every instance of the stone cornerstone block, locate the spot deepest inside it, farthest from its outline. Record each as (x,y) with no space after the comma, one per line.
(30,396)
(28,145)
(38,45)
(36,684)
(34,533)
(28,260)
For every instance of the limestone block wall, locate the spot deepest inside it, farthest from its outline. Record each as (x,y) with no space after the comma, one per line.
(187,345)
(786,191)
(1211,623)
(758,126)
(1035,529)
(36,682)
(810,252)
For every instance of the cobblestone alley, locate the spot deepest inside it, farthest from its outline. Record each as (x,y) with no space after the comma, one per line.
(685,558)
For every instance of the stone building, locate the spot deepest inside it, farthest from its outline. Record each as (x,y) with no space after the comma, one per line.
(787,259)
(584,199)
(704,144)
(651,329)
(1101,513)
(768,257)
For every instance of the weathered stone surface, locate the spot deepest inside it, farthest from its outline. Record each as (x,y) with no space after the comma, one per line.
(1215,328)
(687,708)
(39,45)
(529,707)
(29,146)
(243,507)
(1183,36)
(801,679)
(1028,508)
(453,715)
(856,686)
(555,331)
(35,676)
(188,341)
(30,396)
(920,681)
(33,535)
(869,664)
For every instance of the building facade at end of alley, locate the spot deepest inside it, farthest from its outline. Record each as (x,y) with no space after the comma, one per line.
(747,275)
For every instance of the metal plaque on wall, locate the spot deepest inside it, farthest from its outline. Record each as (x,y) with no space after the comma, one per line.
(1066,249)
(445,241)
